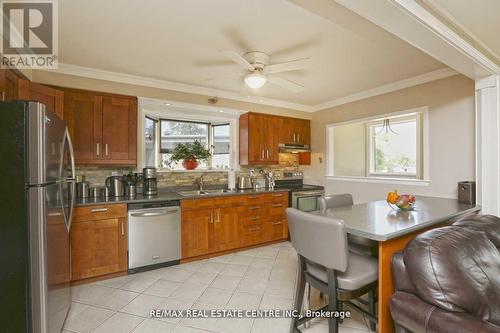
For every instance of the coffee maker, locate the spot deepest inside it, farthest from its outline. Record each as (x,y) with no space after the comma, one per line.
(150,186)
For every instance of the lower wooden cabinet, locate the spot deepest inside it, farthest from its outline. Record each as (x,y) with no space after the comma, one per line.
(226,225)
(218,224)
(98,241)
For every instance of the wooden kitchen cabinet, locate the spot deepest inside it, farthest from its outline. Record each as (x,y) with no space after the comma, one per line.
(210,225)
(226,228)
(259,139)
(98,241)
(51,97)
(103,127)
(261,134)
(12,86)
(217,224)
(195,233)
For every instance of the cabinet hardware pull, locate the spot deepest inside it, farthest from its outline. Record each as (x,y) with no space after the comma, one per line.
(254,229)
(278,195)
(98,149)
(253,197)
(294,140)
(218,216)
(262,153)
(277,222)
(277,205)
(98,210)
(3,96)
(123,229)
(298,137)
(255,208)
(253,218)
(267,153)
(212,217)
(106,149)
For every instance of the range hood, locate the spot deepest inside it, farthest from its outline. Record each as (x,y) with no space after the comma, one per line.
(293,148)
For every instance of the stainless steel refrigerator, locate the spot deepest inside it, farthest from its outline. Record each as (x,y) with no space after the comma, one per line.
(37,189)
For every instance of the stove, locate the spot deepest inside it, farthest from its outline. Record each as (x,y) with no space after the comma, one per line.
(303,196)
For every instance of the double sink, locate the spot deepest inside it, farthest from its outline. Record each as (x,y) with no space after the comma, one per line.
(205,192)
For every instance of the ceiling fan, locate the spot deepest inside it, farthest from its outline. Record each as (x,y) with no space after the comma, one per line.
(259,70)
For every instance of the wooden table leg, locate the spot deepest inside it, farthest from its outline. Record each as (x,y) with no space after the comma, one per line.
(385,284)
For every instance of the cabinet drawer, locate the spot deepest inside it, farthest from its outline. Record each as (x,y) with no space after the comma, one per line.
(251,235)
(229,201)
(99,212)
(279,197)
(255,210)
(255,199)
(273,229)
(254,220)
(276,209)
(193,204)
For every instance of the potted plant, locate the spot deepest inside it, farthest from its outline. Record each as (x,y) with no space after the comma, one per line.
(189,154)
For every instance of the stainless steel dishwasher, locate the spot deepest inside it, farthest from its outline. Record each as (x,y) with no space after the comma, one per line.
(154,235)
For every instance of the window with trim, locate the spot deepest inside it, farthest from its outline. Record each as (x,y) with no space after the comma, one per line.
(172,132)
(391,146)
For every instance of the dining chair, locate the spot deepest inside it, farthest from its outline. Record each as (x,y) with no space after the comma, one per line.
(326,263)
(357,244)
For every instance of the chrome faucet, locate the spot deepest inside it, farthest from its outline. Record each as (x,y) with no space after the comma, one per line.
(199,181)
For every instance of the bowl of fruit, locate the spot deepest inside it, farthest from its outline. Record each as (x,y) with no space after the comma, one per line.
(401,201)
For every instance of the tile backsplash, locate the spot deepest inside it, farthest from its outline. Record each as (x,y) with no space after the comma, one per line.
(96,175)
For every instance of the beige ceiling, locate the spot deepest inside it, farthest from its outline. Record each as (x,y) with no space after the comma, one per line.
(479,18)
(181,41)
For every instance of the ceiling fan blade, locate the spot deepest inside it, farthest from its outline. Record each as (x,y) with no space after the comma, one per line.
(287,66)
(284,83)
(237,58)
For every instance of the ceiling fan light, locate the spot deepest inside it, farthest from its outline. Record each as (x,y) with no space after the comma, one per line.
(255,80)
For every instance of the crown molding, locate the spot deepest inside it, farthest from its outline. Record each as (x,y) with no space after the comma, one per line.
(422,15)
(169,85)
(175,86)
(387,88)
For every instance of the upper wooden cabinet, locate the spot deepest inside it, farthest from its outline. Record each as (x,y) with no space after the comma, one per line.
(51,97)
(12,86)
(261,134)
(103,127)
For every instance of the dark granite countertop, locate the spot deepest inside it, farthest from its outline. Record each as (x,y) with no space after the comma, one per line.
(166,195)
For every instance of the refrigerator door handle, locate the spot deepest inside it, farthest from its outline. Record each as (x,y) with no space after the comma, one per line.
(72,180)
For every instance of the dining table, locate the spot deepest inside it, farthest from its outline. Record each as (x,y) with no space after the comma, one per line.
(393,228)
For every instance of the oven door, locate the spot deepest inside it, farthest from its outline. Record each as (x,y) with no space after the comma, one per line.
(306,201)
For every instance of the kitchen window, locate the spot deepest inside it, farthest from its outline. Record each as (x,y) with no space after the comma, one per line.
(387,148)
(171,132)
(394,147)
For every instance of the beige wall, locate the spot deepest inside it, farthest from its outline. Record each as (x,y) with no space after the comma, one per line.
(78,82)
(451,137)
(349,145)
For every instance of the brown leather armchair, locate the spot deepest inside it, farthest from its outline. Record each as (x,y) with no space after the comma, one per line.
(448,279)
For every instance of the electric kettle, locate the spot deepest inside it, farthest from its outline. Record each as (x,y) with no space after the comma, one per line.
(115,185)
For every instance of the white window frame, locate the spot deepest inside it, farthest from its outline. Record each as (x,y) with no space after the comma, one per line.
(424,160)
(370,147)
(154,108)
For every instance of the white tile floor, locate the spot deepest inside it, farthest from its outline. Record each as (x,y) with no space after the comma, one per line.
(261,278)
